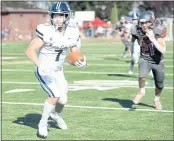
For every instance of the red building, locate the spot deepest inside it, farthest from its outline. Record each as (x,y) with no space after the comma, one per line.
(21,24)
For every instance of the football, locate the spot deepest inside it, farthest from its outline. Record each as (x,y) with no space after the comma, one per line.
(74,56)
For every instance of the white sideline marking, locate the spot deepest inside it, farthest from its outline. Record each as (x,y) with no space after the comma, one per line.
(120,65)
(90,107)
(106,64)
(71,85)
(101,58)
(85,72)
(11,58)
(115,55)
(20,90)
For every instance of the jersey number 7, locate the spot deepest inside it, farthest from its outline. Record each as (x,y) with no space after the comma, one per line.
(58,55)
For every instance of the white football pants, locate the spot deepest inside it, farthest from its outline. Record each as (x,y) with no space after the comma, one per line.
(54,84)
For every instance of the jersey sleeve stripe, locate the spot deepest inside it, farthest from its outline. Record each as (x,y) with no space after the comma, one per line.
(39,34)
(37,31)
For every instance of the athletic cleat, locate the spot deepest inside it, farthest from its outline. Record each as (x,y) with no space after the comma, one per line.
(157,105)
(130,72)
(124,56)
(42,129)
(138,97)
(60,122)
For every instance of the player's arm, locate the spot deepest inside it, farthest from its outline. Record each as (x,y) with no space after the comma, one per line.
(159,43)
(126,35)
(77,48)
(31,51)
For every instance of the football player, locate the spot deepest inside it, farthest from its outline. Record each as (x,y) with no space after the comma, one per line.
(126,37)
(151,39)
(53,42)
(124,30)
(135,49)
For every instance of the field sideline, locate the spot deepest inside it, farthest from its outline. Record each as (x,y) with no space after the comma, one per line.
(99,100)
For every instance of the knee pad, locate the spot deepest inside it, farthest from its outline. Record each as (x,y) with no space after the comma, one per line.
(142,78)
(63,99)
(159,85)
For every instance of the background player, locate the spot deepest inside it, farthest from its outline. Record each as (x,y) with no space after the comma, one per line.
(135,49)
(152,42)
(123,27)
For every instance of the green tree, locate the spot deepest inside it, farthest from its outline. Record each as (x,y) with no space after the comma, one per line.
(124,7)
(114,14)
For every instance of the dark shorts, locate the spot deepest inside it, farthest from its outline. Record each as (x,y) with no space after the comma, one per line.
(157,69)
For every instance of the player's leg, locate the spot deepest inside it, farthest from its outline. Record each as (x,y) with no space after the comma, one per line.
(128,51)
(125,49)
(57,114)
(132,59)
(131,66)
(158,71)
(144,68)
(48,84)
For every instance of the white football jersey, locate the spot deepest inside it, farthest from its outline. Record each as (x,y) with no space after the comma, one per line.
(128,27)
(50,54)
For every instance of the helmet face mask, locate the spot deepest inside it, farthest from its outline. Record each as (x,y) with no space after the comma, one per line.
(59,15)
(146,20)
(146,26)
(59,20)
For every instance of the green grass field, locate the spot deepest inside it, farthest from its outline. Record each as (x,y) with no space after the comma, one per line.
(99,101)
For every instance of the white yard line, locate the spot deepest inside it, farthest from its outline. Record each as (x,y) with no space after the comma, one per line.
(101,54)
(120,59)
(120,65)
(36,83)
(90,107)
(82,72)
(97,64)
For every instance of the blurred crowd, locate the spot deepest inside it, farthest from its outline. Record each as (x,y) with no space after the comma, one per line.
(98,31)
(95,29)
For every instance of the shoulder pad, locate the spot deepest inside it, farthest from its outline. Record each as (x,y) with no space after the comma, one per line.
(72,32)
(44,32)
(72,23)
(160,31)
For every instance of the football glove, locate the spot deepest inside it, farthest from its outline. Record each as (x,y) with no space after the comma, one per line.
(81,64)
